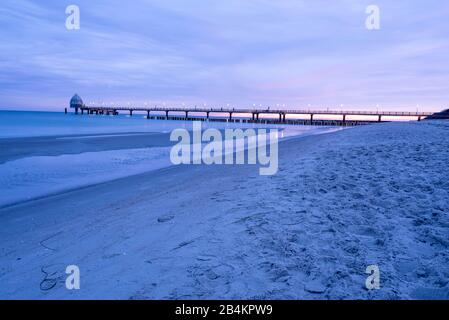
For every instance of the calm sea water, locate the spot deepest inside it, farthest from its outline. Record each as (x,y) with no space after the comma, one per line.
(33,124)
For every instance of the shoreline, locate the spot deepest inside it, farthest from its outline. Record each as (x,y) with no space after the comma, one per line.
(102,181)
(36,167)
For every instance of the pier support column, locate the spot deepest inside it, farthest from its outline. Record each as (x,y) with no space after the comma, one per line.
(253,116)
(311,118)
(419,118)
(148,114)
(82,111)
(344,118)
(166,114)
(380,118)
(130,113)
(280,117)
(207,115)
(283,117)
(257,116)
(187,114)
(230,116)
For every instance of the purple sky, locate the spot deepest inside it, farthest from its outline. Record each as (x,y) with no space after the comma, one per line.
(314,54)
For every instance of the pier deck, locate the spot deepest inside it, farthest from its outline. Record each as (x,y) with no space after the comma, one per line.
(253,115)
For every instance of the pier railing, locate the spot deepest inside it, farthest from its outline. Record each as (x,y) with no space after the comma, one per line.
(266,111)
(255,112)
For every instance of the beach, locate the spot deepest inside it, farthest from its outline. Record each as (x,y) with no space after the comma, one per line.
(341,201)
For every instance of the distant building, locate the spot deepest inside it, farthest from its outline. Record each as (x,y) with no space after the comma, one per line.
(76,103)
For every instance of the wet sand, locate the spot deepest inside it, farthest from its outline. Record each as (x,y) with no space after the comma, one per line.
(17,148)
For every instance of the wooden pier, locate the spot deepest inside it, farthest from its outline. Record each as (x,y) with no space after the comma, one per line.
(254,115)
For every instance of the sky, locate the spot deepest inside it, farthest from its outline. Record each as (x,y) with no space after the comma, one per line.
(280,53)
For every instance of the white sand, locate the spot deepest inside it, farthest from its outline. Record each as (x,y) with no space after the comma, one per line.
(368,195)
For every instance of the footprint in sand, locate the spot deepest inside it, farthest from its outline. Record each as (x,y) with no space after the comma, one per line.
(165,218)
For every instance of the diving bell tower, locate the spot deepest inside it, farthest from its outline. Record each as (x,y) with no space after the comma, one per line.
(76,103)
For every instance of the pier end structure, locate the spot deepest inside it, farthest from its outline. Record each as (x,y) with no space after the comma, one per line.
(76,103)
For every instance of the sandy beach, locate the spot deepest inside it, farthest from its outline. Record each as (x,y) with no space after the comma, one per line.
(340,202)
